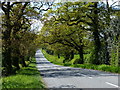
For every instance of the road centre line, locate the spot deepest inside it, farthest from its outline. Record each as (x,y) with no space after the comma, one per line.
(112,84)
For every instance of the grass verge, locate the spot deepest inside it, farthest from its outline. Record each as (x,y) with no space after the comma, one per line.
(27,77)
(103,67)
(53,58)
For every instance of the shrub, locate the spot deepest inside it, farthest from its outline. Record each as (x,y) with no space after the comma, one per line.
(67,64)
(77,61)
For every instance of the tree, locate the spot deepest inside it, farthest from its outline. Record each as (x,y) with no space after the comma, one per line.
(72,36)
(68,14)
(16,23)
(7,7)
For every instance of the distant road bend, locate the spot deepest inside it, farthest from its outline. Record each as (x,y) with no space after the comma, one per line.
(56,76)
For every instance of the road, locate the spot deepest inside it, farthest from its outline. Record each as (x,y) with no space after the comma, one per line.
(56,76)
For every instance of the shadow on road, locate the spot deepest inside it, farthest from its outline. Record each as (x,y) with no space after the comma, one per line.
(48,69)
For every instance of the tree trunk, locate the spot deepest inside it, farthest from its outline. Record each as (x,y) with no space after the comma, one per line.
(23,61)
(81,61)
(72,55)
(66,56)
(107,56)
(107,61)
(118,52)
(7,41)
(8,61)
(96,35)
(16,62)
(58,55)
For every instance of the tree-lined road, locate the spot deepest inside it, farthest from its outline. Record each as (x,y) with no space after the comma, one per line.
(56,76)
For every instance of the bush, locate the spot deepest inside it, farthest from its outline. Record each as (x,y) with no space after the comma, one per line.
(102,67)
(67,64)
(76,61)
(90,66)
(108,68)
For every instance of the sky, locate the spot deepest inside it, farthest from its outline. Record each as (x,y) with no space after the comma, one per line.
(36,25)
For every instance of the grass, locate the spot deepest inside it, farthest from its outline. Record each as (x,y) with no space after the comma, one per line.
(107,68)
(27,77)
(54,59)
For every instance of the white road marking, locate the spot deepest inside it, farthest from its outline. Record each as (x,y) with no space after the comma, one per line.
(90,77)
(112,84)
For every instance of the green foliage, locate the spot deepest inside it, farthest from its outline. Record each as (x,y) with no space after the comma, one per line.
(76,61)
(86,66)
(61,28)
(67,64)
(109,68)
(27,77)
(18,40)
(53,58)
(103,67)
(85,25)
